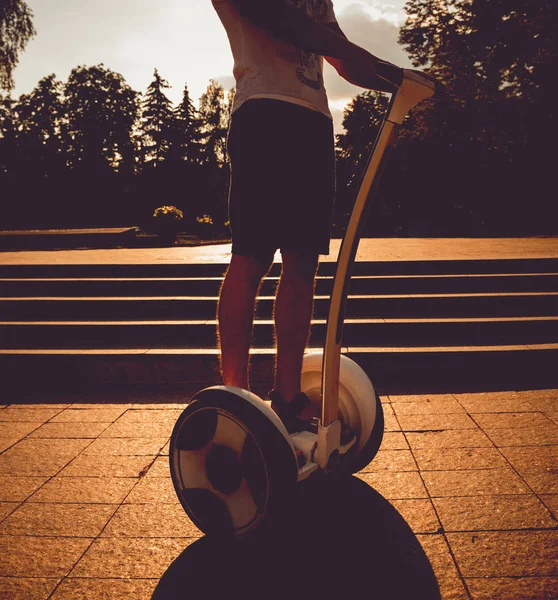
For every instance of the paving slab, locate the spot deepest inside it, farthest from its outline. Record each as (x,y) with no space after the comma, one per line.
(495,513)
(520,588)
(27,556)
(394,440)
(105,589)
(456,459)
(392,460)
(18,489)
(6,508)
(24,588)
(396,486)
(127,446)
(136,558)
(53,520)
(107,466)
(151,521)
(542,435)
(527,553)
(152,490)
(96,490)
(52,430)
(419,514)
(451,438)
(449,581)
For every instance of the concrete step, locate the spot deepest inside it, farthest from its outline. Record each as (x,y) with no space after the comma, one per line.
(42,239)
(411,323)
(209,287)
(357,332)
(326,268)
(393,370)
(358,306)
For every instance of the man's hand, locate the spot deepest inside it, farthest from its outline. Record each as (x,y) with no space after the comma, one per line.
(293,26)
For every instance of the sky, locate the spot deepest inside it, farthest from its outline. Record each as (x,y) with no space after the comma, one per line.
(183,39)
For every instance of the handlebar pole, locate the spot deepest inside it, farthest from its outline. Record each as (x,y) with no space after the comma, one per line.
(414,88)
(332,351)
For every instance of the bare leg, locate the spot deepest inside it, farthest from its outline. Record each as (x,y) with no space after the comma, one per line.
(293,314)
(235,316)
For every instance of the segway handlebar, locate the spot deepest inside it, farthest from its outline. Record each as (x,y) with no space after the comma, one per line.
(410,88)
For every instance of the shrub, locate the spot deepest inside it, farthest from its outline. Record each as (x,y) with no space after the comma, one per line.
(167,221)
(168,213)
(205,220)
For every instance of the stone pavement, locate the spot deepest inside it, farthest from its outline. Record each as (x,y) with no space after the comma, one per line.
(385,249)
(463,496)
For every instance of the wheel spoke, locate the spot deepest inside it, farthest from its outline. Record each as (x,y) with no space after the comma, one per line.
(241,506)
(192,469)
(229,434)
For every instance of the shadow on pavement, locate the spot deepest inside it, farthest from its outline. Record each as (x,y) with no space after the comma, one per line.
(346,541)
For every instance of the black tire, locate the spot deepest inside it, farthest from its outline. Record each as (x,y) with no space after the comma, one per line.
(261,474)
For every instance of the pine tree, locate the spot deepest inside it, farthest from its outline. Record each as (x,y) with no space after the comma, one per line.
(158,123)
(186,139)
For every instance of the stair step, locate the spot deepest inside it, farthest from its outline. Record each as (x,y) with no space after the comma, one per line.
(393,370)
(396,267)
(458,323)
(358,306)
(360,285)
(356,332)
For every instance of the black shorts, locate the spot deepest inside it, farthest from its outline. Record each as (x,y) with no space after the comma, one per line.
(282,179)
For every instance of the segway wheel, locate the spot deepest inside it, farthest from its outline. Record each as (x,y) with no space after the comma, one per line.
(359,407)
(232,462)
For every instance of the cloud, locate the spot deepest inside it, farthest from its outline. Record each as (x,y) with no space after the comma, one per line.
(227,81)
(375,28)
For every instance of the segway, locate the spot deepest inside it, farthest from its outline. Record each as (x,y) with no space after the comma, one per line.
(232,461)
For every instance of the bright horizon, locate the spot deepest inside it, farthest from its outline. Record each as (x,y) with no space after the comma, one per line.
(184,40)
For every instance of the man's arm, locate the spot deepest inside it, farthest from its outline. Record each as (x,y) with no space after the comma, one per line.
(354,73)
(294,26)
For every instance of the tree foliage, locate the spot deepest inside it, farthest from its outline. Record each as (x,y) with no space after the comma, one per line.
(92,151)
(83,152)
(101,110)
(215,116)
(40,117)
(187,136)
(157,123)
(16,29)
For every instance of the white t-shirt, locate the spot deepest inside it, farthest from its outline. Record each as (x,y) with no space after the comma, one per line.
(265,67)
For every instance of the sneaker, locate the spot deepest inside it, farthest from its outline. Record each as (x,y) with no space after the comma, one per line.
(289,412)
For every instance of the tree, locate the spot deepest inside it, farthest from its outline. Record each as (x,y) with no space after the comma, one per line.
(361,120)
(101,112)
(497,58)
(215,114)
(215,121)
(8,136)
(158,123)
(16,29)
(40,119)
(186,137)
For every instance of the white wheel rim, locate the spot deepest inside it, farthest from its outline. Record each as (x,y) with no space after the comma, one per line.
(190,470)
(357,398)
